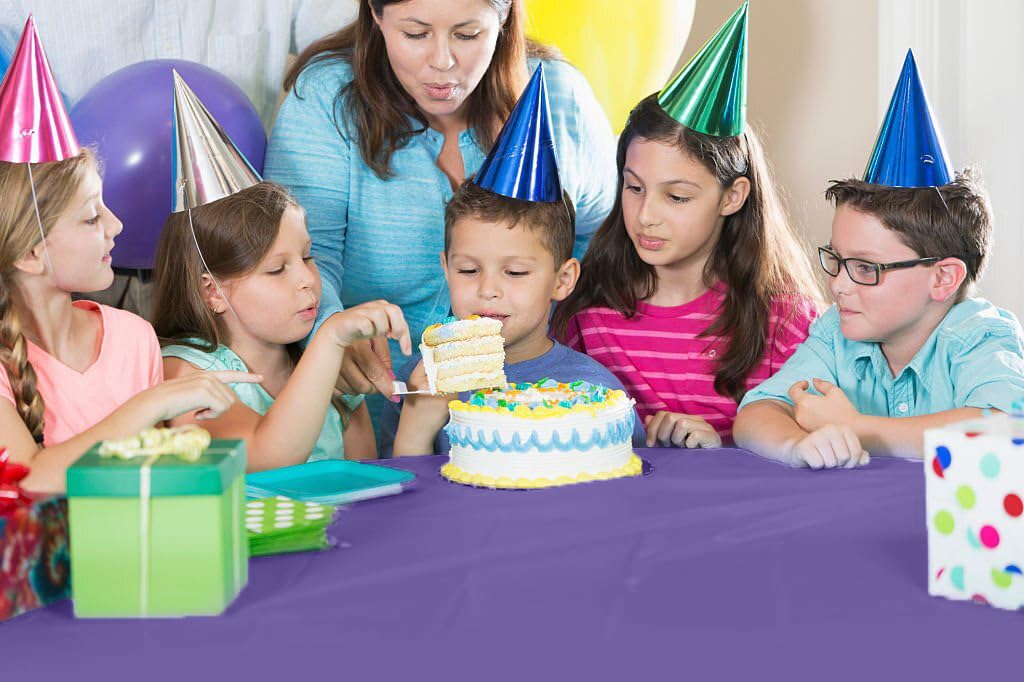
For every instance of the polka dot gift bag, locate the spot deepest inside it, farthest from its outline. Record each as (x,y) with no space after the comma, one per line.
(974,492)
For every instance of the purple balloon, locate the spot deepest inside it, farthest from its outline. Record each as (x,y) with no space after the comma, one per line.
(127,115)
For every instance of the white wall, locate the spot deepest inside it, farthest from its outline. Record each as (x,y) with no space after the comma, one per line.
(812,93)
(971,60)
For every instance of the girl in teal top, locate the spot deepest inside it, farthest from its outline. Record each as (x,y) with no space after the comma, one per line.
(255,296)
(329,445)
(385,117)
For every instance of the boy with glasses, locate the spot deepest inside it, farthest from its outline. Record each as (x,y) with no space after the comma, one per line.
(904,348)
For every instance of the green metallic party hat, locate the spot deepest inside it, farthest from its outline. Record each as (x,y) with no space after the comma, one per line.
(709,94)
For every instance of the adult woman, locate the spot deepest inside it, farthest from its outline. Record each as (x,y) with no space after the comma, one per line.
(386,116)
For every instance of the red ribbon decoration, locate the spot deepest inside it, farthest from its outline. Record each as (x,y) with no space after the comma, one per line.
(11,494)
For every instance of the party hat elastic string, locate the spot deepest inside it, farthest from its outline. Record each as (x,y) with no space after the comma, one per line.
(207,164)
(206,267)
(39,222)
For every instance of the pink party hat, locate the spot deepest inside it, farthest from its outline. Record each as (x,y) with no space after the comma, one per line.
(34,126)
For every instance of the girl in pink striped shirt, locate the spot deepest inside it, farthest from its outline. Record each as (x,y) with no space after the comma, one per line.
(695,288)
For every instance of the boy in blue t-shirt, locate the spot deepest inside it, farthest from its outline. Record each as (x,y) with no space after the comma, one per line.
(904,348)
(506,259)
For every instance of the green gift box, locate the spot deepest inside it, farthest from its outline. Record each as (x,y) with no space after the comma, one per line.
(158,536)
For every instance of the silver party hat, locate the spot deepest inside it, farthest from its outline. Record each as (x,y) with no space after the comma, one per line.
(207,164)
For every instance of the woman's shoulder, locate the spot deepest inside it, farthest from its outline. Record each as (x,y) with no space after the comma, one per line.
(326,69)
(567,90)
(310,107)
(579,121)
(324,75)
(563,80)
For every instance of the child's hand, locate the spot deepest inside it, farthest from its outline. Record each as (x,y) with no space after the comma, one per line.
(431,411)
(681,430)
(829,447)
(813,412)
(422,417)
(369,320)
(206,392)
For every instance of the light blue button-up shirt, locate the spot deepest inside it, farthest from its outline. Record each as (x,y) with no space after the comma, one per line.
(974,358)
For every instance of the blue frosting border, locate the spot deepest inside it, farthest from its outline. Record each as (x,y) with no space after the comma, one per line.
(616,432)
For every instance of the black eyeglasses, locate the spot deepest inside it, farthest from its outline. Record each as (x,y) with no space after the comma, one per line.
(864,271)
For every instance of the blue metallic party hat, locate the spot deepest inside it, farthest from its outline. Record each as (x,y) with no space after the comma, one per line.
(909,151)
(522,163)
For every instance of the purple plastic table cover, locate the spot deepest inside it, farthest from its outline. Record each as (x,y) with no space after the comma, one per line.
(717,565)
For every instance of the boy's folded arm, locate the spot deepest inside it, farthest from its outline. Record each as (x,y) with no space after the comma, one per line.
(904,436)
(987,371)
(814,358)
(768,428)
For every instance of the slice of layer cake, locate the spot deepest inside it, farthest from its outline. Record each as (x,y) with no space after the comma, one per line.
(464,355)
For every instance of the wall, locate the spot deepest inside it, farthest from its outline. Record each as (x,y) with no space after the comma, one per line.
(812,92)
(971,61)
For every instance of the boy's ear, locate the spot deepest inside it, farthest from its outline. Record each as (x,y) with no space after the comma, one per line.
(212,296)
(949,276)
(565,279)
(33,262)
(444,265)
(734,196)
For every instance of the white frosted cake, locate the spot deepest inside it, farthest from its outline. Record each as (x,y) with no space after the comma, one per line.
(463,355)
(541,435)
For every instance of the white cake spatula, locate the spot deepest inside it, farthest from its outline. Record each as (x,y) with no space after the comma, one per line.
(400,388)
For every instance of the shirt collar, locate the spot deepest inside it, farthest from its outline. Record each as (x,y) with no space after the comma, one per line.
(466,137)
(868,355)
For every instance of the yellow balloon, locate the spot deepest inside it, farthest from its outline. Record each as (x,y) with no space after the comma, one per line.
(627,50)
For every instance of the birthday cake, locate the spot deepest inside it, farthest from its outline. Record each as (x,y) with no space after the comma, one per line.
(541,435)
(463,355)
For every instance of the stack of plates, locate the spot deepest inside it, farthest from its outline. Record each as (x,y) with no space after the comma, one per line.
(278,525)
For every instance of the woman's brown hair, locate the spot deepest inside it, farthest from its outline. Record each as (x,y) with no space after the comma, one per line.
(758,256)
(379,108)
(56,184)
(234,234)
